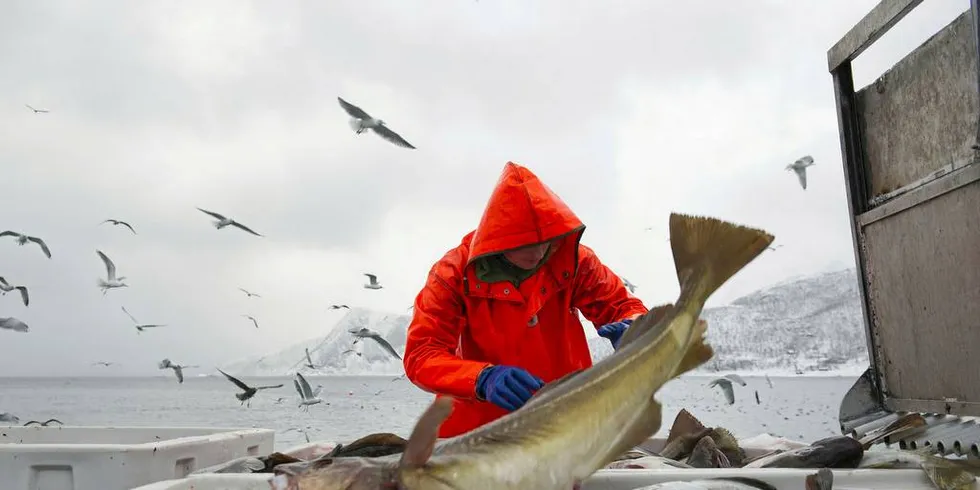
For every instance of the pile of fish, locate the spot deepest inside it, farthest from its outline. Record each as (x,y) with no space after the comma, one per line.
(602,416)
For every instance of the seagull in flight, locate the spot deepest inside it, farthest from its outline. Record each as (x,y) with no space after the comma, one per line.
(6,288)
(361,121)
(628,284)
(247,391)
(337,307)
(14,325)
(117,223)
(351,351)
(306,395)
(254,321)
(22,239)
(367,333)
(139,327)
(372,282)
(45,423)
(223,222)
(309,361)
(799,167)
(177,368)
(111,281)
(248,293)
(36,111)
(725,383)
(774,247)
(103,363)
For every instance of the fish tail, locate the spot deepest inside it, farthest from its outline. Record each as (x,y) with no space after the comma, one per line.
(708,252)
(946,475)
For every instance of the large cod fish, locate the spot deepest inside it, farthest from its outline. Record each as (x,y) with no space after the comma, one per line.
(576,424)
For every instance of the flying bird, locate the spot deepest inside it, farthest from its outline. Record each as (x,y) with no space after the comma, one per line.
(139,327)
(111,281)
(799,167)
(757,401)
(372,282)
(726,387)
(177,368)
(45,423)
(367,333)
(361,121)
(769,381)
(223,222)
(247,391)
(117,223)
(36,111)
(13,324)
(351,351)
(309,361)
(22,239)
(103,363)
(254,321)
(735,378)
(306,395)
(628,284)
(6,288)
(337,307)
(248,293)
(774,247)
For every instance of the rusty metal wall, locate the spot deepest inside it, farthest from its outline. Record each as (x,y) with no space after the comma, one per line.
(923,276)
(921,114)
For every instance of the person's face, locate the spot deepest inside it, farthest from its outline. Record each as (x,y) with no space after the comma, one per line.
(527,257)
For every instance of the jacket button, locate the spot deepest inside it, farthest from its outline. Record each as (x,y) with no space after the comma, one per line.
(506,291)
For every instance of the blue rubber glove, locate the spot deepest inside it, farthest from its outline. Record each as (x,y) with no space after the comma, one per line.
(614,331)
(507,387)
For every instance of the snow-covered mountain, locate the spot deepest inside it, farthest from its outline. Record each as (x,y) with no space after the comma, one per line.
(807,324)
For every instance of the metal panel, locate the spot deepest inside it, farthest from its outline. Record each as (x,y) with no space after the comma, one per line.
(909,144)
(923,272)
(922,114)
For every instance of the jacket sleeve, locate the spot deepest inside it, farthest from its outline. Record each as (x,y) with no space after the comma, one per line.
(430,359)
(600,294)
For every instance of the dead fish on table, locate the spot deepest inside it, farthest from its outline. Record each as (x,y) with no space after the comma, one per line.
(374,445)
(575,425)
(687,433)
(830,452)
(945,474)
(725,483)
(646,463)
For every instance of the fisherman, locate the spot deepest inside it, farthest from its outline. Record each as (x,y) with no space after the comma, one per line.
(498,318)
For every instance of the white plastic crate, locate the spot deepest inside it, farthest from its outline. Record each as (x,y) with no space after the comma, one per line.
(781,479)
(117,458)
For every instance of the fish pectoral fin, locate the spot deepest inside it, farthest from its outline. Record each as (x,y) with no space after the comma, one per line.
(650,320)
(422,441)
(684,423)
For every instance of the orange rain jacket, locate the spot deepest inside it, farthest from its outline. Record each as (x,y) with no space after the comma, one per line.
(462,325)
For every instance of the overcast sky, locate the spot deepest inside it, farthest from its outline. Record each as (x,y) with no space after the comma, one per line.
(628,110)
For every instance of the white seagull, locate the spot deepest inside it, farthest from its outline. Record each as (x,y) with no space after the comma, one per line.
(22,239)
(799,167)
(628,284)
(117,223)
(367,333)
(372,282)
(177,368)
(254,321)
(111,281)
(6,288)
(309,361)
(139,327)
(223,222)
(13,324)
(103,363)
(726,387)
(306,395)
(362,121)
(248,293)
(36,111)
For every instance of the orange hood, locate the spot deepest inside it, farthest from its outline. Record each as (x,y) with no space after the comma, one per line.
(521,211)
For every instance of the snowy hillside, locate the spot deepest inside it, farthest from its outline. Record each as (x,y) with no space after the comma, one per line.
(328,354)
(807,324)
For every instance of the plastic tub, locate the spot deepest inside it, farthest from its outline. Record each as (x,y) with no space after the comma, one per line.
(117,458)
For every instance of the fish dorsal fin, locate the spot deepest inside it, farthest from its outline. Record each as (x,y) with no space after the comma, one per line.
(550,386)
(423,439)
(648,321)
(684,423)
